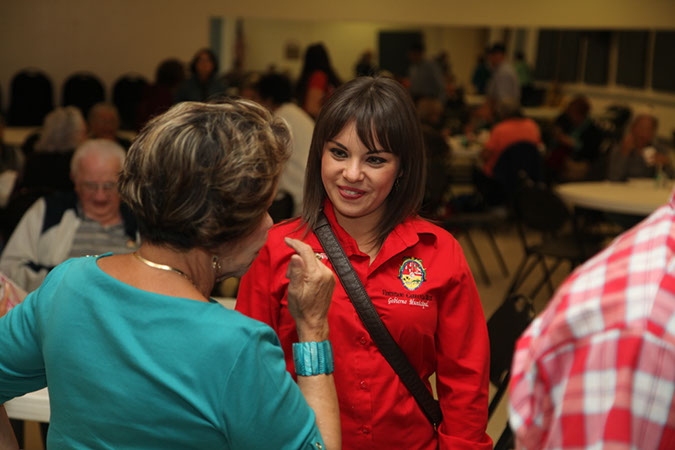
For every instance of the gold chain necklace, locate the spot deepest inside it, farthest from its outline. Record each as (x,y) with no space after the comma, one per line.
(164,267)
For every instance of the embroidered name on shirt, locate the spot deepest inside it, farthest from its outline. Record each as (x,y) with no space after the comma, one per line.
(407,298)
(412,273)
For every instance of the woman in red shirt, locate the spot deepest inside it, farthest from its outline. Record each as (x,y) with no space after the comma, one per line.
(317,80)
(366,171)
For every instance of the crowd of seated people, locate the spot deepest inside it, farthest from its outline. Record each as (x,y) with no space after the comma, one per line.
(574,146)
(70,167)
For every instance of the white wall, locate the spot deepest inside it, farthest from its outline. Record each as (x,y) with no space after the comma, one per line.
(115,37)
(345,41)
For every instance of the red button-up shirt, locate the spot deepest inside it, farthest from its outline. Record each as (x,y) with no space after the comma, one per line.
(423,290)
(597,368)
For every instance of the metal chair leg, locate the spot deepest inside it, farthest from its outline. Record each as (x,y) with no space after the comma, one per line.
(500,259)
(476,255)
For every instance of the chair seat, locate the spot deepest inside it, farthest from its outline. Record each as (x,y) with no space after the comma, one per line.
(480,218)
(566,247)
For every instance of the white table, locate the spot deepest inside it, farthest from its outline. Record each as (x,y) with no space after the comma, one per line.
(35,405)
(542,113)
(32,406)
(636,196)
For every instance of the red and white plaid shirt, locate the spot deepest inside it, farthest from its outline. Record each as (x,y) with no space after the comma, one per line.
(597,368)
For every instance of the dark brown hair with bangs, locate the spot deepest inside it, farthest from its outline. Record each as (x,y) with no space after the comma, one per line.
(381,109)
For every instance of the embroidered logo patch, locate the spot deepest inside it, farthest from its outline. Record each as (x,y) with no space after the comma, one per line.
(412,274)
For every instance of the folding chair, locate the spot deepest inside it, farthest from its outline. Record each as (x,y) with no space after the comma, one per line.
(504,328)
(538,208)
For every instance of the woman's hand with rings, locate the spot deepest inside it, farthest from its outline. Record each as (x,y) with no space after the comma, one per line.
(310,290)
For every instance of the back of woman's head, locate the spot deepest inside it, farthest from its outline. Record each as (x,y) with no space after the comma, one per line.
(316,58)
(203,174)
(170,72)
(63,129)
(383,112)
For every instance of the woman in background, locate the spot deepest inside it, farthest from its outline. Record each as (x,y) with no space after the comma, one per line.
(366,172)
(203,82)
(48,153)
(317,80)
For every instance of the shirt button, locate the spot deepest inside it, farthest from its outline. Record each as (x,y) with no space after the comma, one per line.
(364,385)
(363,340)
(365,429)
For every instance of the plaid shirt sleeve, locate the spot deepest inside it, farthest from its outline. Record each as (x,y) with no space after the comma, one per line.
(597,368)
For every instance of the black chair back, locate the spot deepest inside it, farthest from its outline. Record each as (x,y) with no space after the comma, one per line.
(83,90)
(127,94)
(541,209)
(31,98)
(504,328)
(521,158)
(517,162)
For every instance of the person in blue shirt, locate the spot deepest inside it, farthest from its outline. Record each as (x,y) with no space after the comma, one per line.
(132,348)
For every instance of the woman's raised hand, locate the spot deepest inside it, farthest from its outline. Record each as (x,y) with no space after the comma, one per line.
(310,289)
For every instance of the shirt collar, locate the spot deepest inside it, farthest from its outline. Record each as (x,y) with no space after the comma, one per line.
(403,236)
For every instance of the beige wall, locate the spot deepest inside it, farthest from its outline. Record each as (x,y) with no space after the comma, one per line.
(345,41)
(116,37)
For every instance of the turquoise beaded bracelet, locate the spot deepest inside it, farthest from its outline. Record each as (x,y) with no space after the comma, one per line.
(313,358)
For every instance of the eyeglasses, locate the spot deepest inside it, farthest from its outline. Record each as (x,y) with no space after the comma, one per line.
(92,187)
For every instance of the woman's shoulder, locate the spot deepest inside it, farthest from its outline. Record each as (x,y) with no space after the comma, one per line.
(293,228)
(441,235)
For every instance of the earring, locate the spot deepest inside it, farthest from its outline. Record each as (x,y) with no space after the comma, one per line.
(397,184)
(215,263)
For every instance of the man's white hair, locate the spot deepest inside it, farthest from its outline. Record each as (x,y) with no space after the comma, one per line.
(102,147)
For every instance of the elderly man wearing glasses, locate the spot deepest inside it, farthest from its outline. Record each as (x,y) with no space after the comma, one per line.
(88,221)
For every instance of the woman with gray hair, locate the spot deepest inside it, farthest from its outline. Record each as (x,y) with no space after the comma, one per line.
(63,130)
(48,159)
(132,348)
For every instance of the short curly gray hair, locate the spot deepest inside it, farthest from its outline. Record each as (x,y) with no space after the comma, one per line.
(203,174)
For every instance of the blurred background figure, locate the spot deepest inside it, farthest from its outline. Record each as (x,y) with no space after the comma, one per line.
(158,97)
(275,93)
(525,78)
(456,112)
(11,168)
(88,220)
(437,152)
(575,142)
(481,75)
(425,76)
(317,80)
(247,86)
(104,123)
(521,138)
(48,152)
(11,158)
(503,84)
(365,66)
(510,129)
(638,155)
(204,81)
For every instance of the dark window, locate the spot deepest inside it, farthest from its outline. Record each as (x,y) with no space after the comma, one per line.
(557,56)
(568,55)
(597,57)
(663,75)
(632,61)
(393,50)
(547,50)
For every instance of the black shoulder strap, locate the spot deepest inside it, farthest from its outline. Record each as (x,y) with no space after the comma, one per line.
(373,323)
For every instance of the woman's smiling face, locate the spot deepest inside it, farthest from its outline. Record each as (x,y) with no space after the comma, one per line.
(357,180)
